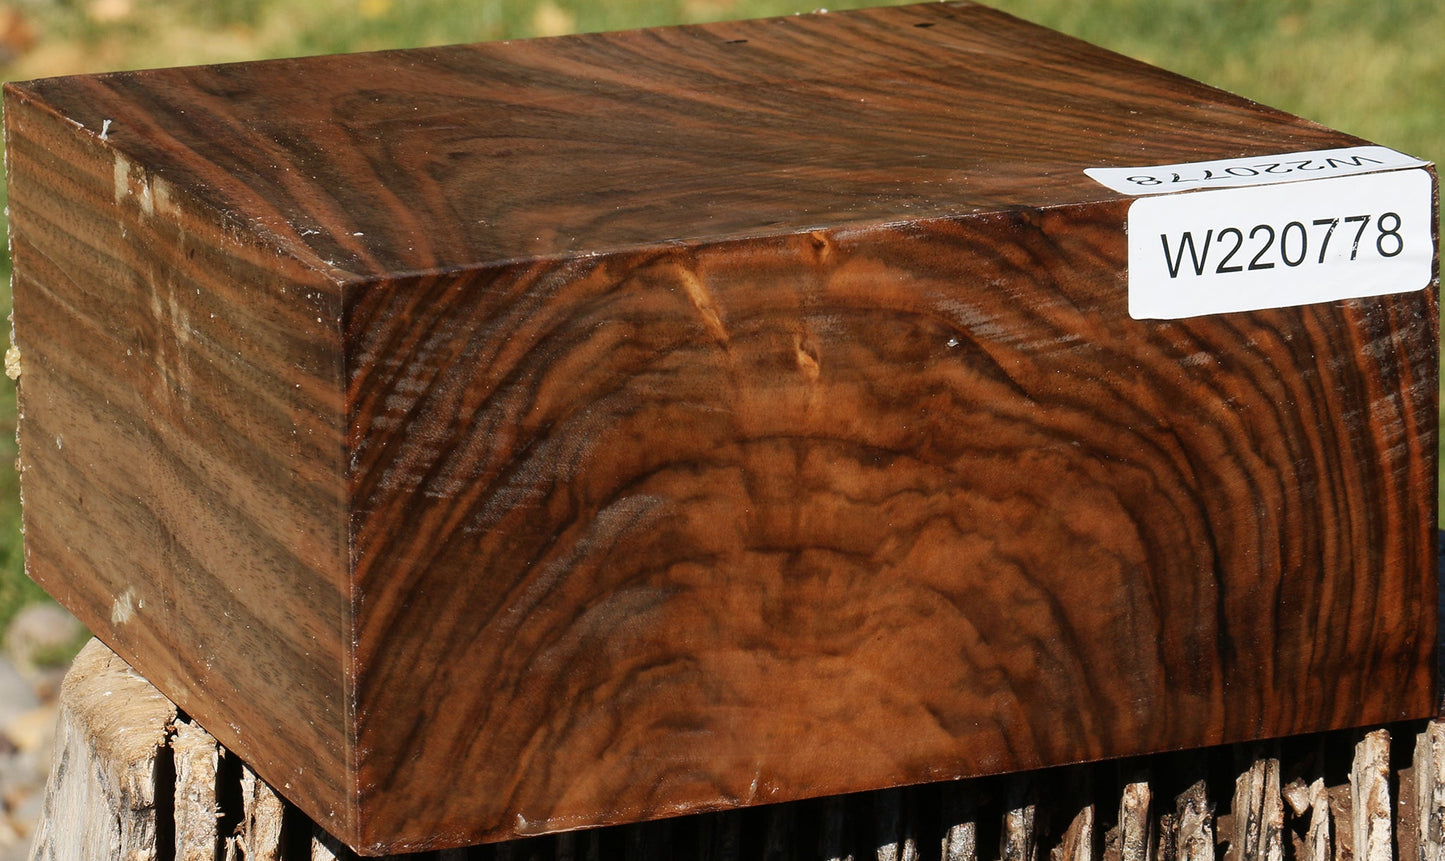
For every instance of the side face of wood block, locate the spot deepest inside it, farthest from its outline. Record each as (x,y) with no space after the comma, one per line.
(183,481)
(515,438)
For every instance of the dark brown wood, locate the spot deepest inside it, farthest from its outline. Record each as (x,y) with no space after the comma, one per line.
(495,440)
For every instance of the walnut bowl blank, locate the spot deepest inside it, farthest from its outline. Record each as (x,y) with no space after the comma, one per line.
(492,440)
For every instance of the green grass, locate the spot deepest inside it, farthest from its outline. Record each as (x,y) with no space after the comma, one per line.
(1375,70)
(16,590)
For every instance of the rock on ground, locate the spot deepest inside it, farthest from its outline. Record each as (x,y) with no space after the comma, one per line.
(29,682)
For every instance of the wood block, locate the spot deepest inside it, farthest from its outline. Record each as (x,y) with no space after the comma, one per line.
(494,440)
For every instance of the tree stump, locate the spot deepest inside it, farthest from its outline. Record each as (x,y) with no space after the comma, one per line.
(137,780)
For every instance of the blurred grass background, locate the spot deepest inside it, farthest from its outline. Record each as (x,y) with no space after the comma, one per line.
(1376,70)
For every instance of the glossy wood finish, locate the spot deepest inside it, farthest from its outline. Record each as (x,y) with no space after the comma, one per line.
(188,500)
(522,437)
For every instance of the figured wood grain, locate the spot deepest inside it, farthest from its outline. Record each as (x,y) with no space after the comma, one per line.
(192,514)
(507,439)
(431,159)
(769,428)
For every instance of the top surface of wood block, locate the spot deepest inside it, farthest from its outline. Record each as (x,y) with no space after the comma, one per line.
(439,158)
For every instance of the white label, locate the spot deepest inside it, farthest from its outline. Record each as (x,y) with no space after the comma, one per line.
(1254,170)
(1276,246)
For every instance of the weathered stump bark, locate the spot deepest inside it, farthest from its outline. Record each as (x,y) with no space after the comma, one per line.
(134,779)
(112,745)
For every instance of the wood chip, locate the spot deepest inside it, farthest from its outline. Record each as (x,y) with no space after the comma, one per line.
(1320,839)
(895,843)
(1078,840)
(1297,795)
(197,757)
(263,811)
(1370,791)
(1258,813)
(960,836)
(1194,824)
(1134,821)
(1019,841)
(1430,791)
(323,848)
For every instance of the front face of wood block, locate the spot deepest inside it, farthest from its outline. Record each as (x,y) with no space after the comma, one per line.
(506,439)
(742,524)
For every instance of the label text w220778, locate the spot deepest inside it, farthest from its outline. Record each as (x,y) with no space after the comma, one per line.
(1266,169)
(1296,243)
